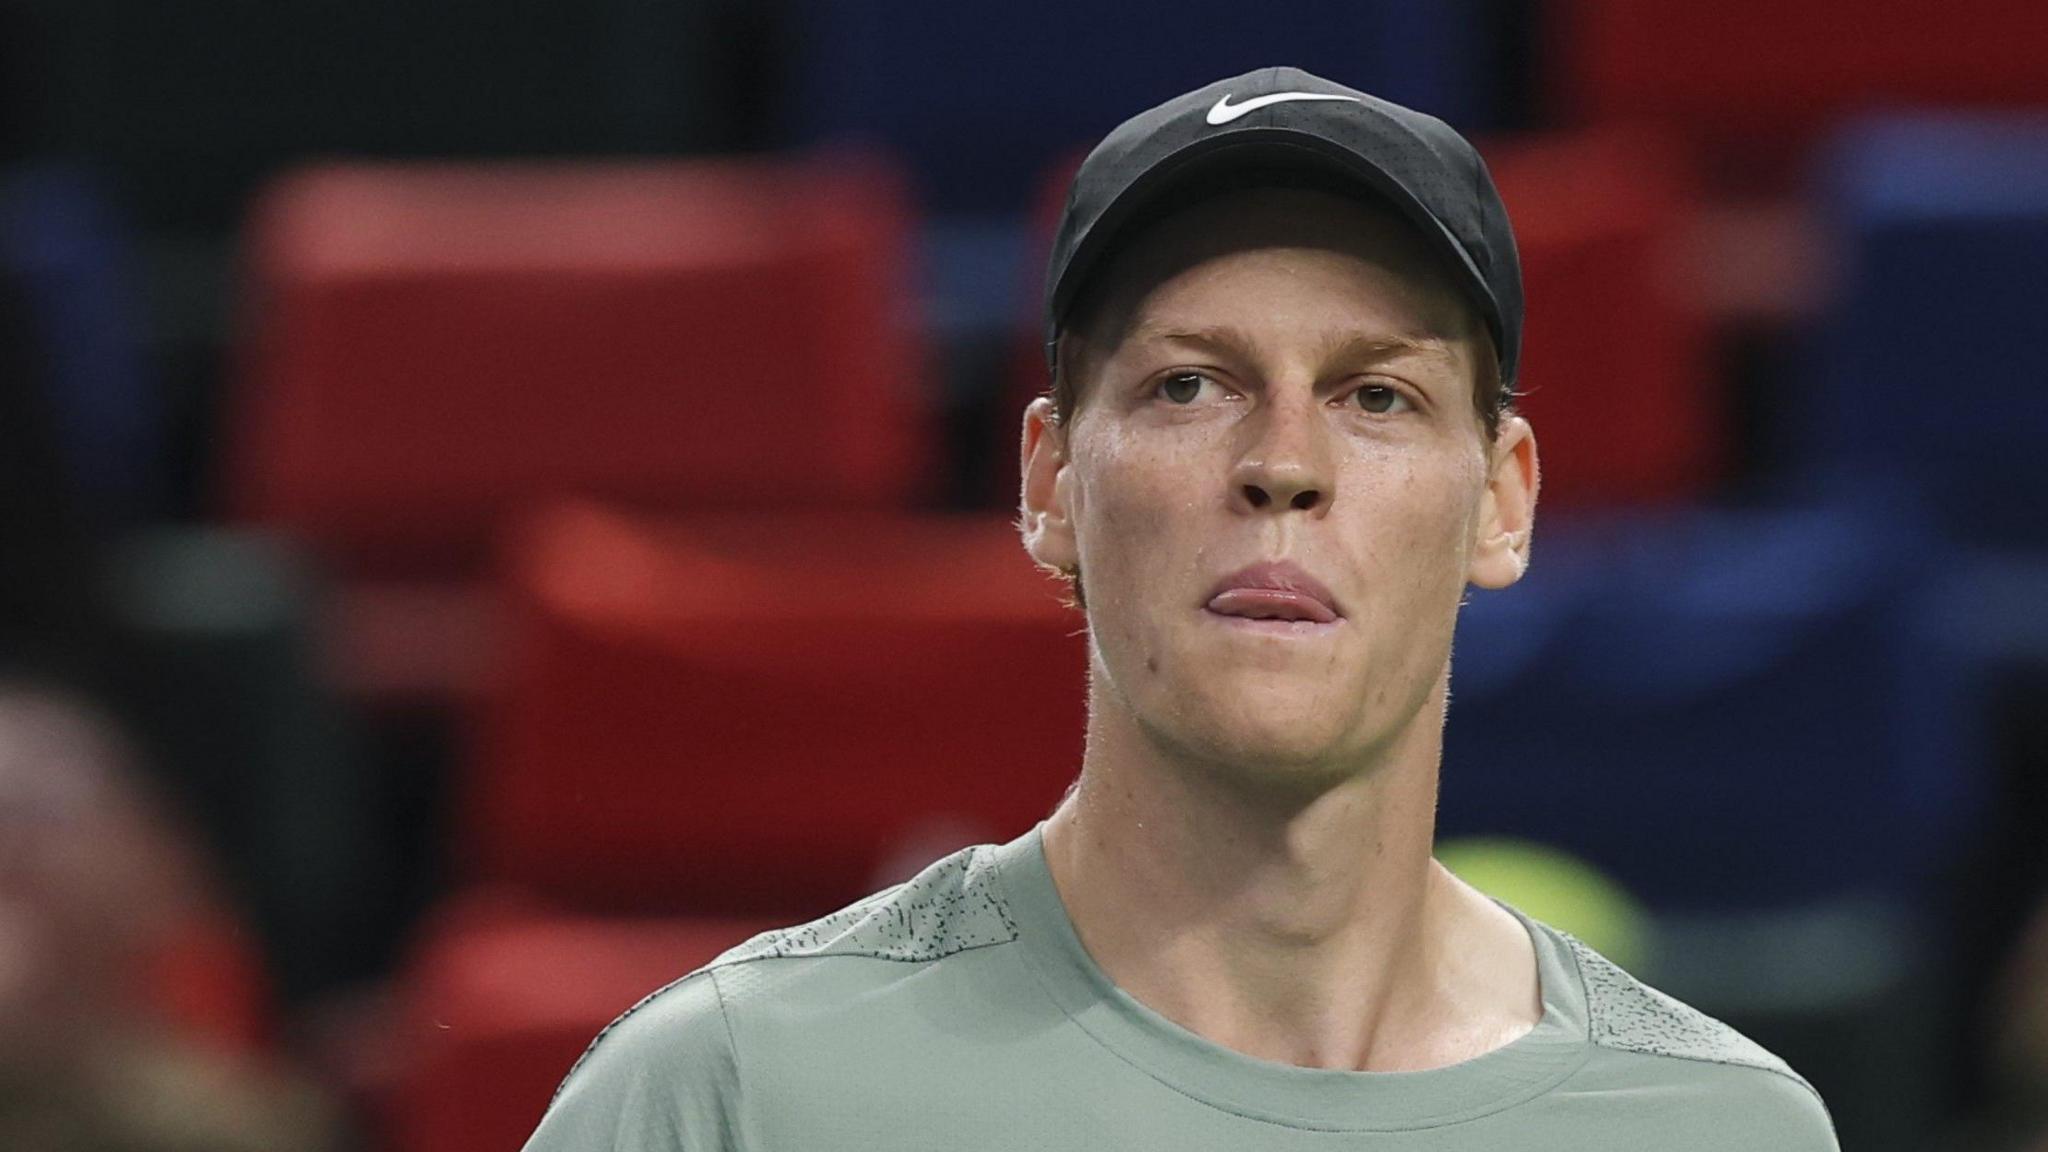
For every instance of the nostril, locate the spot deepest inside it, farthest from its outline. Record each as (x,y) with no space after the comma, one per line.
(1306,499)
(1257,496)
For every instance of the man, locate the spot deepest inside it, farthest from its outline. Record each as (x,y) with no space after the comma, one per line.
(1284,317)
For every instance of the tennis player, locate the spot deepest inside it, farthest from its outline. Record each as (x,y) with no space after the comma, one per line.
(1284,319)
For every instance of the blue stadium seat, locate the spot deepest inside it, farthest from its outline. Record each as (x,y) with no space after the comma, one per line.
(981,99)
(1929,360)
(1727,711)
(1761,724)
(62,242)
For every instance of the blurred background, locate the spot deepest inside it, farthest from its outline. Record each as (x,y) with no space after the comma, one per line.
(499,502)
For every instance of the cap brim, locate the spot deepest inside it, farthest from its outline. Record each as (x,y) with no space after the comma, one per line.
(1279,150)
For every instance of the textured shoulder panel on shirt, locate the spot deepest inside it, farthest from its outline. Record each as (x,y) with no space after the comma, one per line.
(951,906)
(1626,1014)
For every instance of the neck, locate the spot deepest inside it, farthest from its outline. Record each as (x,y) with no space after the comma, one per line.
(1311,927)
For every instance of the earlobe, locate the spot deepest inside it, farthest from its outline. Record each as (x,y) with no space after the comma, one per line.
(1507,512)
(1043,515)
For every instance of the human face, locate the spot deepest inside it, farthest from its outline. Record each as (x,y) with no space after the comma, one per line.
(1277,377)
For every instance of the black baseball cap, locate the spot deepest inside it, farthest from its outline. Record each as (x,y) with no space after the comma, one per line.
(1279,123)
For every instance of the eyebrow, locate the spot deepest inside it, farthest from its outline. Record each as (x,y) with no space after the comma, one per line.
(1370,349)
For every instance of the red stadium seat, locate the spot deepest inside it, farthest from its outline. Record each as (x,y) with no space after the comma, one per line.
(497,1005)
(1762,77)
(1614,352)
(435,345)
(206,980)
(765,714)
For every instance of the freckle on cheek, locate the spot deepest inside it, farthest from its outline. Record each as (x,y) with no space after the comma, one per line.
(1151,662)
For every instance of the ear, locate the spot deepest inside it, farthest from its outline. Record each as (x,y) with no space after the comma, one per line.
(1507,510)
(1044,517)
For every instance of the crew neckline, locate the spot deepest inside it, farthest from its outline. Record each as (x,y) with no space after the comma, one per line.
(1275,1092)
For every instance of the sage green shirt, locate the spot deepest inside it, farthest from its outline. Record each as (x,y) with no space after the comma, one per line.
(958,1011)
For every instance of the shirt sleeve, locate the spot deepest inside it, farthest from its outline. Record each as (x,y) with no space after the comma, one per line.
(1779,1112)
(663,1077)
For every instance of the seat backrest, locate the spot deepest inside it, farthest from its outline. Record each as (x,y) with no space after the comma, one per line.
(1724,710)
(979,99)
(759,714)
(1928,356)
(65,248)
(1615,370)
(431,347)
(496,1004)
(1764,79)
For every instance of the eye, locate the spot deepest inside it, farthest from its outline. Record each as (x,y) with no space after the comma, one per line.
(1381,399)
(1183,387)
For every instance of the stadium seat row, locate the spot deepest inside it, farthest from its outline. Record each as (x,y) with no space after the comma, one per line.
(433,347)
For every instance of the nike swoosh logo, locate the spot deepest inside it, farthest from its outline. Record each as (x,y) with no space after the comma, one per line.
(1224,111)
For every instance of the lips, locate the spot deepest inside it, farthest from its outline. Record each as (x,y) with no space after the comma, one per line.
(1274,591)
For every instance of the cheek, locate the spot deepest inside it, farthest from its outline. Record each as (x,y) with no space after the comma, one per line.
(1129,499)
(1427,541)
(1437,503)
(1142,538)
(1402,524)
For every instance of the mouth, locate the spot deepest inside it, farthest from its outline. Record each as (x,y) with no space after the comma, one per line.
(1278,597)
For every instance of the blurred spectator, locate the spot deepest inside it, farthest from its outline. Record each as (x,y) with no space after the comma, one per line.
(131,1007)
(95,881)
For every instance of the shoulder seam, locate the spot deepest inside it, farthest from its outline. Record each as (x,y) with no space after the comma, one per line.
(621,1018)
(949,907)
(1782,1073)
(769,957)
(1594,1006)
(732,1044)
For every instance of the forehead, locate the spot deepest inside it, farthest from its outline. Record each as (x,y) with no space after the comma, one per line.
(1326,242)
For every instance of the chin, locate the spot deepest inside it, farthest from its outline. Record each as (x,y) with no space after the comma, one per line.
(1267,733)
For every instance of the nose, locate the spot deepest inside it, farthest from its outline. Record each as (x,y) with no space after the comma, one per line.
(1287,463)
